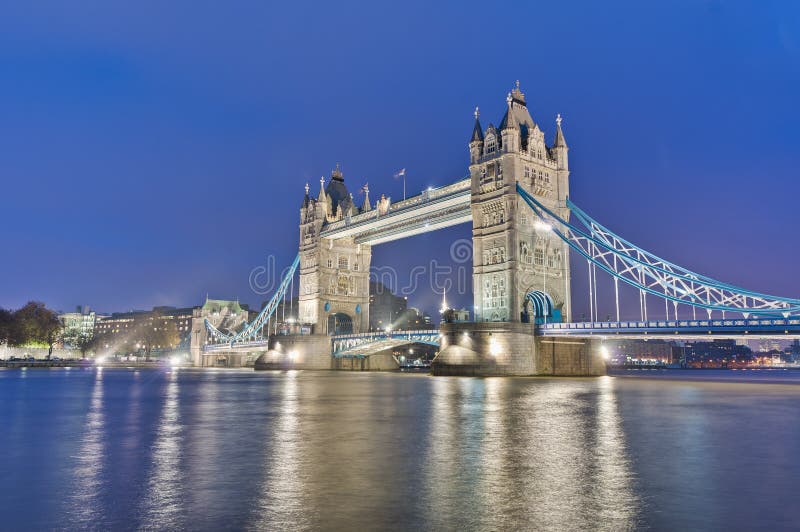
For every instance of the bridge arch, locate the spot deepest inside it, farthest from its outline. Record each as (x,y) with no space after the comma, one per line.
(538,306)
(340,323)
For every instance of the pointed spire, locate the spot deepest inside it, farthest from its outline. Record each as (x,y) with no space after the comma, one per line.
(477,131)
(366,206)
(517,95)
(306,199)
(444,301)
(337,174)
(559,142)
(321,196)
(509,122)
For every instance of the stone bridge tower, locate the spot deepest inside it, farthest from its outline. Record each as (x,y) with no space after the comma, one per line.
(334,273)
(512,253)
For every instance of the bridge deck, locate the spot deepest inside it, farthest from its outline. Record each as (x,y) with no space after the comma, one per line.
(678,329)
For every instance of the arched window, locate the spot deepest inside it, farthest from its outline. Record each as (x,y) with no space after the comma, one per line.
(491,144)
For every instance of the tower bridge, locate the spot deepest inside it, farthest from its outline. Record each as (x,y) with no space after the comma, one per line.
(524,226)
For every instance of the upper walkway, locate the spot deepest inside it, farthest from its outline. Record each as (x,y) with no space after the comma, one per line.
(434,208)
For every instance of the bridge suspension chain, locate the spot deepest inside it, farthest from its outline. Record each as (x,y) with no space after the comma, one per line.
(253,329)
(650,274)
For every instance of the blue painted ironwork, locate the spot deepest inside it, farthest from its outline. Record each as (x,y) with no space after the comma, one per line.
(252,331)
(651,274)
(786,327)
(541,302)
(344,342)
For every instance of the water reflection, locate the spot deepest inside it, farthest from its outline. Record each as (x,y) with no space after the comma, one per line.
(306,450)
(163,503)
(88,474)
(280,501)
(536,453)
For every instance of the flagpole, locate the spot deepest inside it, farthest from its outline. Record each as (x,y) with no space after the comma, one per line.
(404,186)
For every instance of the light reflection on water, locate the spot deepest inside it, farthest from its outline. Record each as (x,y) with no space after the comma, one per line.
(88,471)
(306,450)
(280,495)
(163,501)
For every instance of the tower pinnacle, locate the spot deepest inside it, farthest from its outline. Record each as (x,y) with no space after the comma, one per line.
(559,142)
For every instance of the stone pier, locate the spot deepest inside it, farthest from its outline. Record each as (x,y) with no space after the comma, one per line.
(311,351)
(504,348)
(374,362)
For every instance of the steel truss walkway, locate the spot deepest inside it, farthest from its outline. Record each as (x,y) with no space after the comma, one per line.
(651,275)
(684,329)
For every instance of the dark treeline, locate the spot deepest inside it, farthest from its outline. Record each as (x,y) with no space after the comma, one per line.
(33,324)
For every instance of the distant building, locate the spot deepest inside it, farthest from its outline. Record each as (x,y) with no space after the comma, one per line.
(412,319)
(384,307)
(227,317)
(622,352)
(77,325)
(454,315)
(122,332)
(717,353)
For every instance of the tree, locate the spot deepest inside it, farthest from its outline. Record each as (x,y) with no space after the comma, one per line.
(86,343)
(158,332)
(6,322)
(35,324)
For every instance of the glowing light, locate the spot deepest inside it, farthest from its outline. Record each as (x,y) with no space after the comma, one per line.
(175,361)
(604,352)
(293,355)
(494,348)
(99,360)
(542,226)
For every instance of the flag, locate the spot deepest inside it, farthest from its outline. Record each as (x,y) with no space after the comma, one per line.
(365,188)
(401,173)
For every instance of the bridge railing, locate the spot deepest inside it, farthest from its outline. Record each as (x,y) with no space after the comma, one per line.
(235,345)
(422,198)
(672,324)
(386,334)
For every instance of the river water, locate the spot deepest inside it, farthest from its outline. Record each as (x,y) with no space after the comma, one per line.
(214,450)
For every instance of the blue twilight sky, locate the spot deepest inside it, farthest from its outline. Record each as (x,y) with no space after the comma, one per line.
(152,152)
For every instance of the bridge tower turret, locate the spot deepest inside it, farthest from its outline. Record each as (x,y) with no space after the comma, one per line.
(476,142)
(334,273)
(512,253)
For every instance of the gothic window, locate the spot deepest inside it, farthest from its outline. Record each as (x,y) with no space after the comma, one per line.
(525,253)
(499,171)
(527,171)
(483,173)
(355,266)
(494,296)
(344,263)
(491,144)
(330,263)
(342,285)
(538,257)
(551,260)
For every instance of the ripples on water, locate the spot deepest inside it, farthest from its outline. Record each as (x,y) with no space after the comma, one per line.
(213,450)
